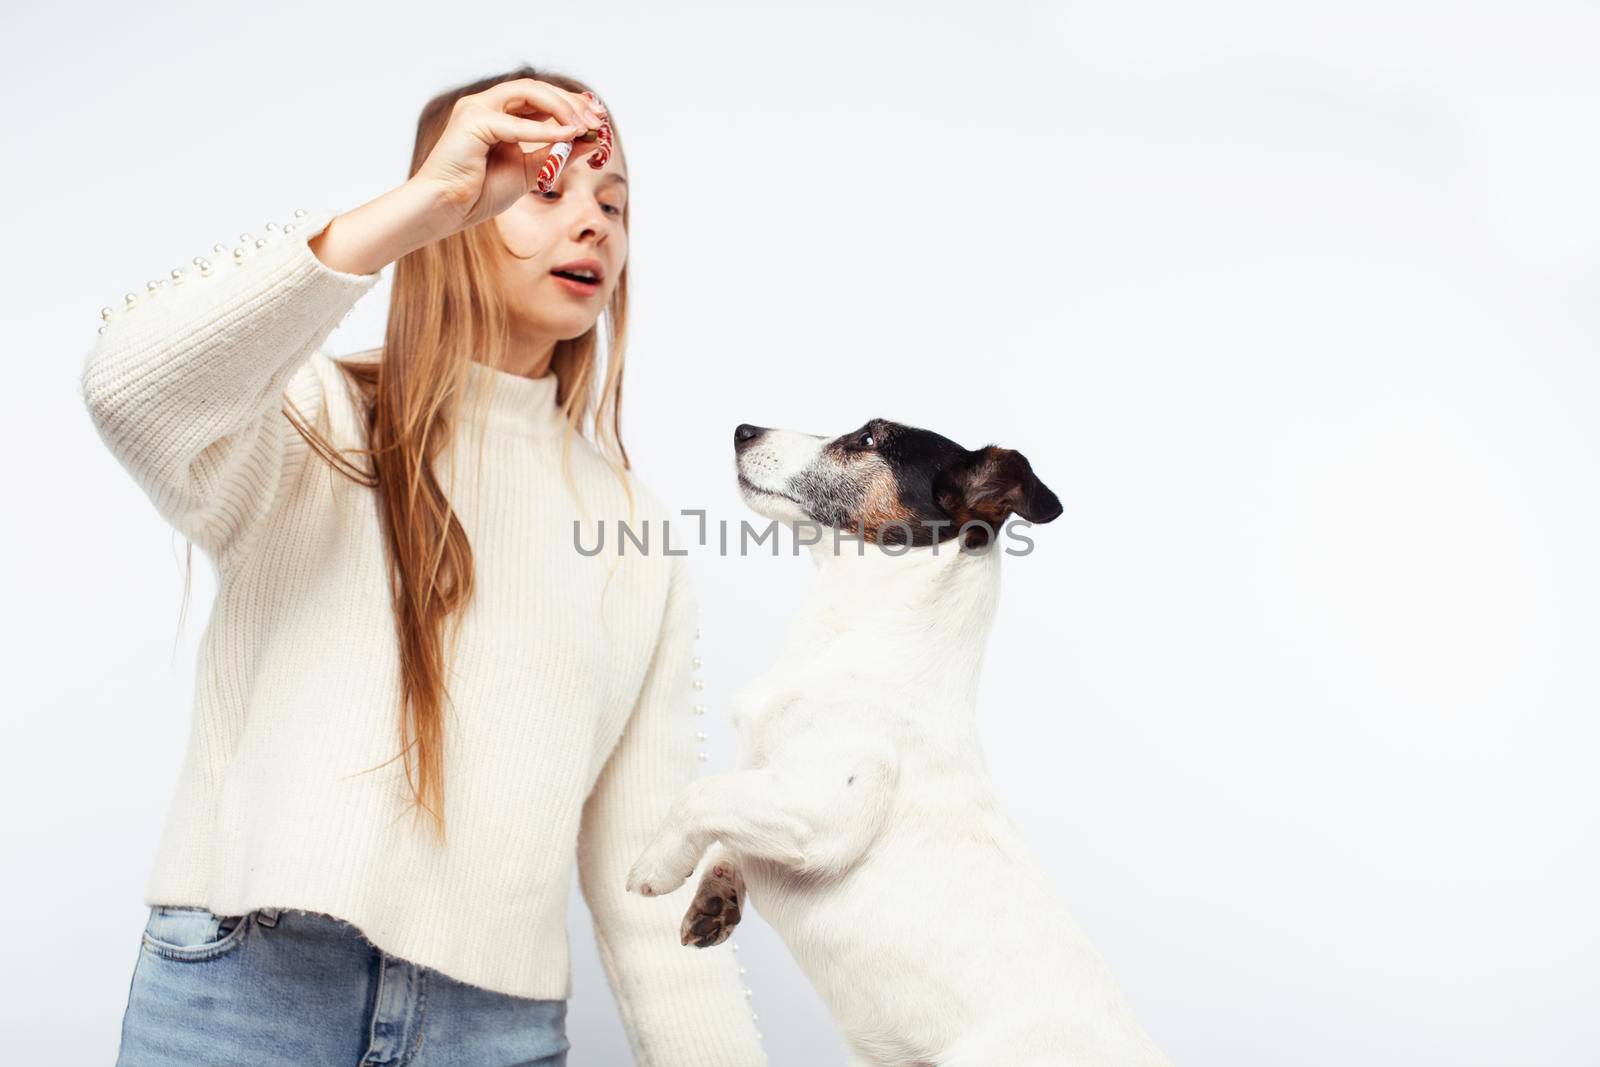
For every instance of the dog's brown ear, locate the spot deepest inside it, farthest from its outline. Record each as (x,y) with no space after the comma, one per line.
(990,484)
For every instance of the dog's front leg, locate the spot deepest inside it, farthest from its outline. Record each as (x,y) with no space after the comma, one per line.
(691,826)
(811,820)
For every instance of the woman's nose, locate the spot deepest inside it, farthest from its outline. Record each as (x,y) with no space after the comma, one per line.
(589,223)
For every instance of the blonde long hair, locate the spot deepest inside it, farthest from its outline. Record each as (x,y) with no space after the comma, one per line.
(447,307)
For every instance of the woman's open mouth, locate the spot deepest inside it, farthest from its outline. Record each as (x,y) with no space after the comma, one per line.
(582,277)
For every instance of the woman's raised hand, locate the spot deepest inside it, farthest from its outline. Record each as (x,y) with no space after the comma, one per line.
(490,153)
(488,156)
(495,143)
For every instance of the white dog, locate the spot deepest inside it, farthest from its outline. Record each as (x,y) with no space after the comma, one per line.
(863,821)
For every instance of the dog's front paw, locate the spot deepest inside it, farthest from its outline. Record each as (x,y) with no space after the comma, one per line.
(714,912)
(662,867)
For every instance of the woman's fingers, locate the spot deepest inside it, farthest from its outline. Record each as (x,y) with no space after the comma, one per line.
(550,144)
(515,128)
(506,141)
(524,93)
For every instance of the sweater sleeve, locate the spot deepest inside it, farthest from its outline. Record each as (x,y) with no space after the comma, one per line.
(681,1006)
(184,383)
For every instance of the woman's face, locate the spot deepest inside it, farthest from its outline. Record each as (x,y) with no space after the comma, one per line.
(577,224)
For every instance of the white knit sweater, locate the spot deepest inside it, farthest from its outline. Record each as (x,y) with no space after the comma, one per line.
(571,721)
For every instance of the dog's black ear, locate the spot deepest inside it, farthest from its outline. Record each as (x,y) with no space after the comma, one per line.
(990,484)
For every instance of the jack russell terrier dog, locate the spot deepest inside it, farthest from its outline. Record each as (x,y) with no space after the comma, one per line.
(863,820)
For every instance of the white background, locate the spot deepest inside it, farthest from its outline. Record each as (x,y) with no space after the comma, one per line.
(1294,305)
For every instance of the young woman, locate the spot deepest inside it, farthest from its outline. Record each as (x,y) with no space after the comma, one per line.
(416,700)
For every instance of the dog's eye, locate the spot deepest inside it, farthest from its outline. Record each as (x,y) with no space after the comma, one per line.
(866,440)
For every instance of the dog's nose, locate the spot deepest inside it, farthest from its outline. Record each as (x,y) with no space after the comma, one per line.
(744,433)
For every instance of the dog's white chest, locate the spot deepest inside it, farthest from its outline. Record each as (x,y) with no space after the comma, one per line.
(754,709)
(774,706)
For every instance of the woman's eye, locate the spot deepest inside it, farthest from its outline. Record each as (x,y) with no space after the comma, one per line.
(555,194)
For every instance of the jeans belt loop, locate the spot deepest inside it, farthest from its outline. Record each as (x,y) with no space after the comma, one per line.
(267,916)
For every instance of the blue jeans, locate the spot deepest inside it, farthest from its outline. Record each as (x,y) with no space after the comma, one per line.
(299,989)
